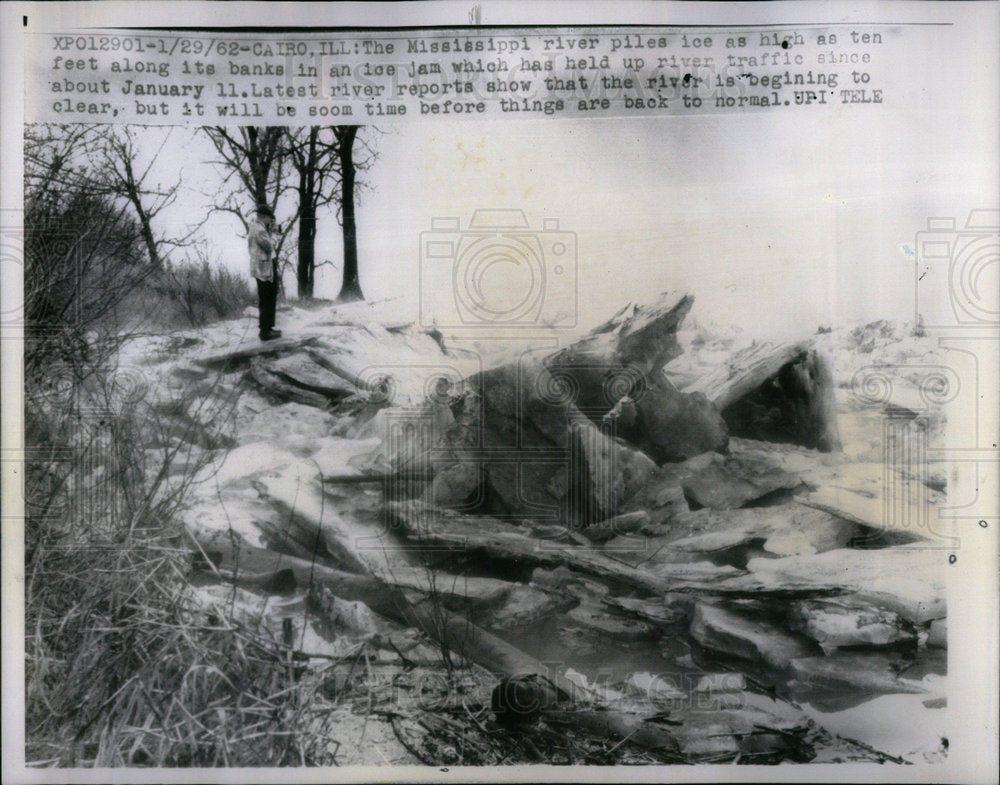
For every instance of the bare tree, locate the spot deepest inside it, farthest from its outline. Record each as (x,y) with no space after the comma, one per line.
(327,163)
(314,157)
(55,161)
(256,157)
(121,172)
(82,255)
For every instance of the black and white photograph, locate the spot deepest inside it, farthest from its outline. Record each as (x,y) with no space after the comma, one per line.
(453,391)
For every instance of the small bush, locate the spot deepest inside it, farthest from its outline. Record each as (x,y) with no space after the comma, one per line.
(82,262)
(202,292)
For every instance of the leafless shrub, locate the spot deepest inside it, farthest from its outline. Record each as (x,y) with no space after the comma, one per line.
(203,292)
(123,666)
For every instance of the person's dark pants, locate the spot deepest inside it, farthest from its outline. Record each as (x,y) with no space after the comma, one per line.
(267,301)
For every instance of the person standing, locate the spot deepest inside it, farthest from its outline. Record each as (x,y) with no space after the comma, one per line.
(264,267)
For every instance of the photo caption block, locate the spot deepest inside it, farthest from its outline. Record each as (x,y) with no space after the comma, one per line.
(168,78)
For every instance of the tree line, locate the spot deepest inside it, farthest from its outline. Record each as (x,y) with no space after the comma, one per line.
(109,458)
(319,165)
(296,171)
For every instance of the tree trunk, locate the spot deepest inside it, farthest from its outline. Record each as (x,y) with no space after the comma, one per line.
(132,192)
(147,235)
(351,288)
(308,196)
(307,240)
(259,165)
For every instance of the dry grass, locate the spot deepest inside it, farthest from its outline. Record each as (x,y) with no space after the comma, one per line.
(197,291)
(123,669)
(123,666)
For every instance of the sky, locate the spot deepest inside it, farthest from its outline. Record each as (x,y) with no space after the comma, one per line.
(777,221)
(772,228)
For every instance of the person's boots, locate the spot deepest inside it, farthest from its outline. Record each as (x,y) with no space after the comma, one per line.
(270,335)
